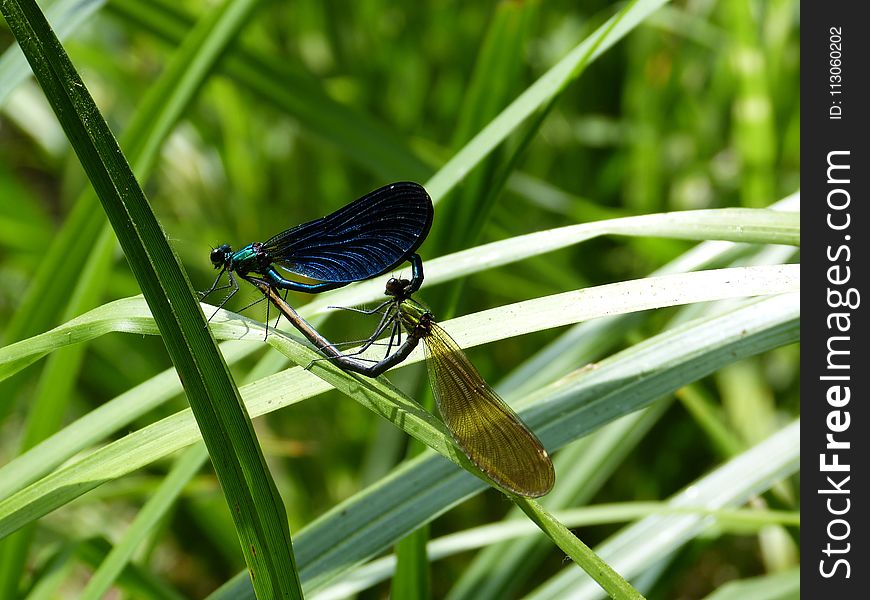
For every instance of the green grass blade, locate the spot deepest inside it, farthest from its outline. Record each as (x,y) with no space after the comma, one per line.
(154,510)
(54,572)
(293,385)
(121,411)
(754,128)
(583,556)
(738,225)
(411,577)
(131,315)
(507,533)
(65,17)
(258,511)
(647,542)
(536,96)
(355,133)
(497,75)
(133,579)
(708,415)
(428,486)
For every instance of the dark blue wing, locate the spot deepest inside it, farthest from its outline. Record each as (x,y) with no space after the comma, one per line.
(367,237)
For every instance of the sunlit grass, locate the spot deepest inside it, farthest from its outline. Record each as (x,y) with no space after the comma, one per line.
(310,107)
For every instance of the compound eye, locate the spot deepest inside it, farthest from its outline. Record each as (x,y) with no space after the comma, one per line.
(218,256)
(393,287)
(396,287)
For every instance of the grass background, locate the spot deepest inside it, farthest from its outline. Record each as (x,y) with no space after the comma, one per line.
(241,125)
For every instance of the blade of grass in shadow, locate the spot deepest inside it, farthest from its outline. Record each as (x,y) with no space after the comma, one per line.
(733,438)
(493,84)
(537,95)
(582,555)
(739,521)
(52,574)
(256,507)
(154,510)
(411,577)
(361,138)
(643,544)
(136,581)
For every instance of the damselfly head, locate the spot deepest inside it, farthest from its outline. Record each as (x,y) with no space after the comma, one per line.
(220,255)
(396,287)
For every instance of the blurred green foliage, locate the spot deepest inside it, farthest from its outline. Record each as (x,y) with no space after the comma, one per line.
(318,103)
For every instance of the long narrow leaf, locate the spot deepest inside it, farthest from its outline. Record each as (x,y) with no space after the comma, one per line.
(761,226)
(420,490)
(185,468)
(177,431)
(256,507)
(65,16)
(131,315)
(537,95)
(510,532)
(647,542)
(583,556)
(119,412)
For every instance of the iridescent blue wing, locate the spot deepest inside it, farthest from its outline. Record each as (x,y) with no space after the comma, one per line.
(369,236)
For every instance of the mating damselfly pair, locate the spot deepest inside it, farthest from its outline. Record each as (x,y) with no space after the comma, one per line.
(366,238)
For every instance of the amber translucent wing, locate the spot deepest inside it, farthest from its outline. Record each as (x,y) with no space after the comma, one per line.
(487,430)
